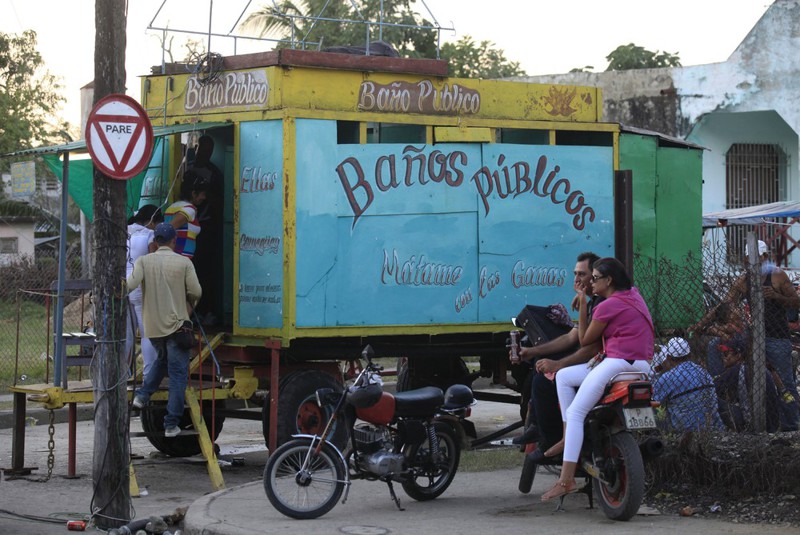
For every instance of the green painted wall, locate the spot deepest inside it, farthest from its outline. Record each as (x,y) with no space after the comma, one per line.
(667,226)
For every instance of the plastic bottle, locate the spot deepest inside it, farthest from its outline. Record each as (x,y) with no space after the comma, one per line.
(514,347)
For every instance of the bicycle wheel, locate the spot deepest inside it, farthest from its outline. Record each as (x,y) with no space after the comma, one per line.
(299,492)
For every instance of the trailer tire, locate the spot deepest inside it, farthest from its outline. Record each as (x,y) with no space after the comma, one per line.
(152,418)
(298,412)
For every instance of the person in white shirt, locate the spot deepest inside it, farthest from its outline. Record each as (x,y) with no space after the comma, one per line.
(140,242)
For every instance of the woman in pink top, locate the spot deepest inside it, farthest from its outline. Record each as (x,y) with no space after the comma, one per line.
(624,324)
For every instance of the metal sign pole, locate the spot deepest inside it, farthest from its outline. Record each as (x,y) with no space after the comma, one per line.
(60,375)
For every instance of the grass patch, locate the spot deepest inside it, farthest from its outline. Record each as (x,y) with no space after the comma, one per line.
(25,343)
(490,459)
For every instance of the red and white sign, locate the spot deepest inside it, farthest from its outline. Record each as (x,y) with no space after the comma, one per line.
(119,137)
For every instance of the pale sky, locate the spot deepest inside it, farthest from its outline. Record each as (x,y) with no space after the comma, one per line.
(544,37)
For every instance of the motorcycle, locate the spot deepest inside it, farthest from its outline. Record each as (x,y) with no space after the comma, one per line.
(413,438)
(610,455)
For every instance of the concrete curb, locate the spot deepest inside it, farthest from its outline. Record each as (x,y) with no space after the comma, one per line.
(200,520)
(35,415)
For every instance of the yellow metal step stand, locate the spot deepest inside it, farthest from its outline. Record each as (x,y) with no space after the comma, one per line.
(206,446)
(134,485)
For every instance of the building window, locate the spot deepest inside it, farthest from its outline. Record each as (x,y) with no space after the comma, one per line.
(347,132)
(9,245)
(520,136)
(753,176)
(395,133)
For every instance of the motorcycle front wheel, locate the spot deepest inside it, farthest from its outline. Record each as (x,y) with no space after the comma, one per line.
(621,497)
(432,473)
(304,493)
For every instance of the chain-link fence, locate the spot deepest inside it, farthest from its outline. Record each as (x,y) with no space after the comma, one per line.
(728,356)
(27,313)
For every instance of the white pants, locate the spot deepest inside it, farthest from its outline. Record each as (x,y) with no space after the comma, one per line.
(149,355)
(590,384)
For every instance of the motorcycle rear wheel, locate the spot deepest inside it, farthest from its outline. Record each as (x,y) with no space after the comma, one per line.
(306,498)
(432,476)
(621,498)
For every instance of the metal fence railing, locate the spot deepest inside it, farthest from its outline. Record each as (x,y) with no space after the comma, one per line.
(729,348)
(27,312)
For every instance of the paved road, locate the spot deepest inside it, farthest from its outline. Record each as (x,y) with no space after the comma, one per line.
(476,502)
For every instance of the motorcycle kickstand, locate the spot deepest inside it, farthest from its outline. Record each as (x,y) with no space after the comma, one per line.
(393,495)
(586,489)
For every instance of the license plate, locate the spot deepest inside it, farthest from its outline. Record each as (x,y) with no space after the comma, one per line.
(640,418)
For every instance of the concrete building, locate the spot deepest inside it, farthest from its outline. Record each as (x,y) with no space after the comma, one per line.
(16,238)
(745,111)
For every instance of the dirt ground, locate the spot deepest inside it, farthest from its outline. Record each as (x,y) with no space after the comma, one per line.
(742,478)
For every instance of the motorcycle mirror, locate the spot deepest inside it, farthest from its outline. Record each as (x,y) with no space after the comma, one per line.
(368,353)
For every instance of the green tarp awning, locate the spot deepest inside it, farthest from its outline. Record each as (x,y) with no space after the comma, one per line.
(81,172)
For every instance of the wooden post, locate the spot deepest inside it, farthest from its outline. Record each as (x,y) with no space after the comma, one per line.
(109,368)
(758,364)
(274,392)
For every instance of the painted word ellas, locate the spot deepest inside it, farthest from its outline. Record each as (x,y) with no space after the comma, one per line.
(233,89)
(420,97)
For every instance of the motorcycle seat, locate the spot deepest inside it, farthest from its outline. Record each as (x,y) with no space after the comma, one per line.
(419,402)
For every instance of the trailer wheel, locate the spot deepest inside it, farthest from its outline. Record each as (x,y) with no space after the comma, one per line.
(441,372)
(298,412)
(181,446)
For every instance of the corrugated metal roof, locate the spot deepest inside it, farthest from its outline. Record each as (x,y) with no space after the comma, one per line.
(663,137)
(80,145)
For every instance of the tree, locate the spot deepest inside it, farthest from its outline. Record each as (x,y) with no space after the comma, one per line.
(468,60)
(296,22)
(302,22)
(631,56)
(30,97)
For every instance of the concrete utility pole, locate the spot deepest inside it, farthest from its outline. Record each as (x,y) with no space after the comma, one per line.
(111,500)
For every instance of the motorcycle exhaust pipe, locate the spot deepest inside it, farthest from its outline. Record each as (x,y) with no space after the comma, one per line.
(651,448)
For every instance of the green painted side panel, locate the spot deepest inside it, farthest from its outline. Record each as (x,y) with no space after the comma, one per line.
(638,154)
(679,202)
(679,234)
(667,233)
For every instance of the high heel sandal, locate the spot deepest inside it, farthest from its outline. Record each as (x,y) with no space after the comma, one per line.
(559,490)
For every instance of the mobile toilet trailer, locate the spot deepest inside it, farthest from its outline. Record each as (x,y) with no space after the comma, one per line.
(375,200)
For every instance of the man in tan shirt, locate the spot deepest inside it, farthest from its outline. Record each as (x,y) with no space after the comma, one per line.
(170,289)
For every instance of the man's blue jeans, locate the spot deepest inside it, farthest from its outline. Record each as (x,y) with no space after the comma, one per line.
(172,361)
(779,356)
(714,357)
